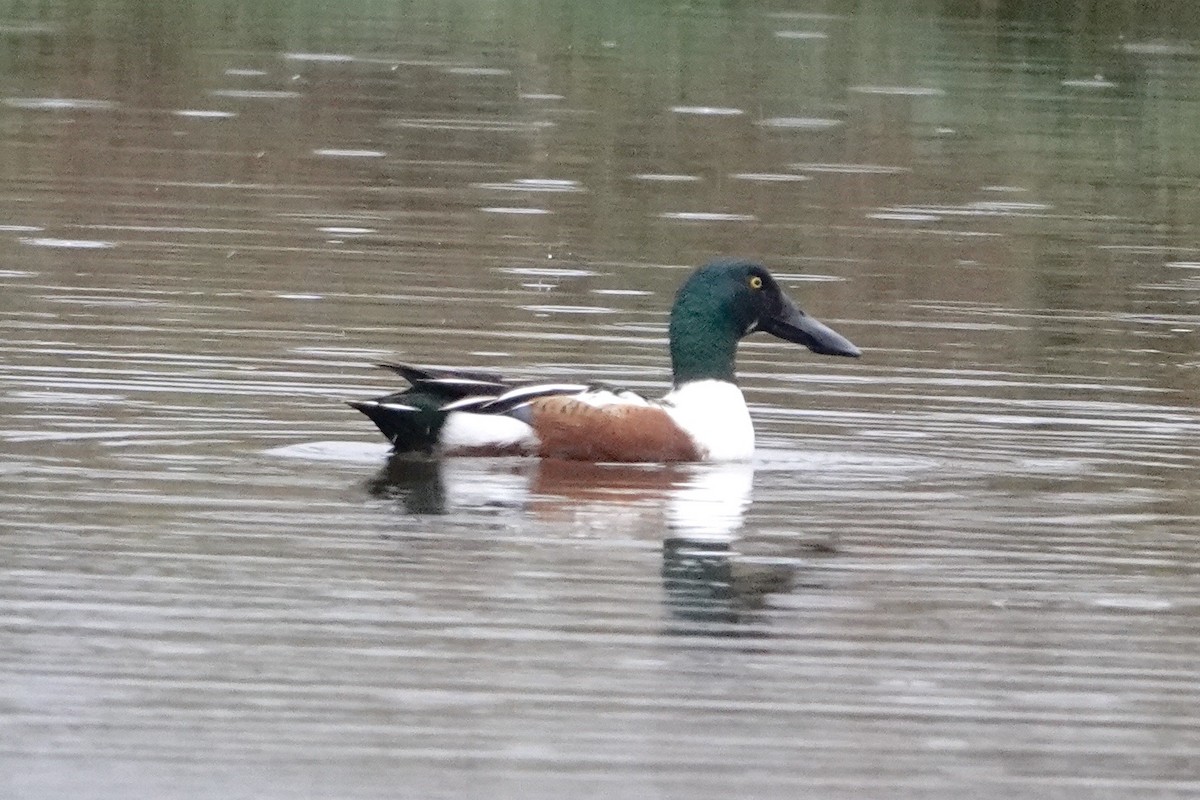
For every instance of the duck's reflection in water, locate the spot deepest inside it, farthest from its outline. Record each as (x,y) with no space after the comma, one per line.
(697,509)
(709,582)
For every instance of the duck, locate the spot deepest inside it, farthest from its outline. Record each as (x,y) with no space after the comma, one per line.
(470,412)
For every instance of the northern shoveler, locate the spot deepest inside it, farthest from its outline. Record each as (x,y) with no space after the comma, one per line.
(703,418)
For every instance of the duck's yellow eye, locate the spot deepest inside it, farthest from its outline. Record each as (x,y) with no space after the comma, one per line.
(755,282)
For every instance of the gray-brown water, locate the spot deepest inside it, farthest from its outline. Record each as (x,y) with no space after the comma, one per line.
(965,565)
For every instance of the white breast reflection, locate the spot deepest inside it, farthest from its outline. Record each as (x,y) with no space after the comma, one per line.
(703,502)
(697,511)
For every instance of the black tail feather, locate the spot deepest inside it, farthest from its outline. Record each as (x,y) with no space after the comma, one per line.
(412,419)
(415,375)
(408,427)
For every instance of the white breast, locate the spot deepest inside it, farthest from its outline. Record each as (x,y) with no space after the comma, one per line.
(714,414)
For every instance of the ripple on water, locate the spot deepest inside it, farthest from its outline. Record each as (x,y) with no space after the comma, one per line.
(666,177)
(801,35)
(838,464)
(563,309)
(808,277)
(355,452)
(199,113)
(909,91)
(482,71)
(850,169)
(706,216)
(322,58)
(255,94)
(467,124)
(708,111)
(981,208)
(549,272)
(58,399)
(75,244)
(801,123)
(59,104)
(770,177)
(1094,82)
(903,216)
(1160,48)
(533,185)
(334,152)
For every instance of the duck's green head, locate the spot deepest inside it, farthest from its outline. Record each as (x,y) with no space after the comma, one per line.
(725,300)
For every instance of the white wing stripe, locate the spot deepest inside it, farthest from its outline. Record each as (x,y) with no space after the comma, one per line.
(473,401)
(539,389)
(466,383)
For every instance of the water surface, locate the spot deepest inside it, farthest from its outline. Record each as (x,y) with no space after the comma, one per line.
(963,564)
